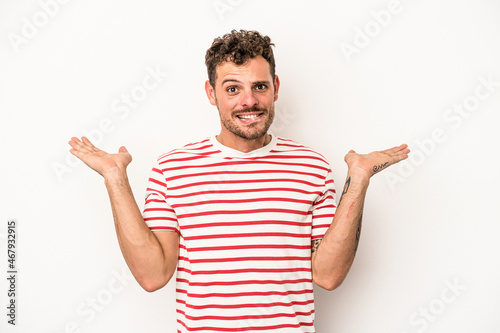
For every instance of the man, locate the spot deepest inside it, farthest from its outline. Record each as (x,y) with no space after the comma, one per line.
(248,219)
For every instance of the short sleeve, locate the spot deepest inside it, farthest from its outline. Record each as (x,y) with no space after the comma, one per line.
(324,209)
(157,213)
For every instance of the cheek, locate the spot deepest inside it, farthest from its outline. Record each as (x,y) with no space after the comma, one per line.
(224,108)
(228,104)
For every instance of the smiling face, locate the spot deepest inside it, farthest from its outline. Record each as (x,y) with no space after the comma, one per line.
(244,96)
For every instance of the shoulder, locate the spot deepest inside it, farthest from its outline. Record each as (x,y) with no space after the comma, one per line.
(291,147)
(199,148)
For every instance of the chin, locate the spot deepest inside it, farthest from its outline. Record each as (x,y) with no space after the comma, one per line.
(253,135)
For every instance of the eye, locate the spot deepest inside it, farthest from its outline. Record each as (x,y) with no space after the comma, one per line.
(261,87)
(232,90)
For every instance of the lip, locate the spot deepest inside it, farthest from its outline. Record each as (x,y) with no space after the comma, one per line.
(253,117)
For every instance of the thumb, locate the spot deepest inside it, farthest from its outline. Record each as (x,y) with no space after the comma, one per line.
(349,155)
(123,150)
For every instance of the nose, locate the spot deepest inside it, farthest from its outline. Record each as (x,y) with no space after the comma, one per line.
(248,99)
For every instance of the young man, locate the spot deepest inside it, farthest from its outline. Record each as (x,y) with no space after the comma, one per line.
(248,219)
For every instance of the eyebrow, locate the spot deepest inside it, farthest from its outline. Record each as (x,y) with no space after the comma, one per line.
(238,81)
(230,80)
(262,82)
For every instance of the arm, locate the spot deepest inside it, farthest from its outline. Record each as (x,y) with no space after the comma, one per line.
(333,255)
(151,257)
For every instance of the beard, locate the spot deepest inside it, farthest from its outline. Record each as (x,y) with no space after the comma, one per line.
(251,131)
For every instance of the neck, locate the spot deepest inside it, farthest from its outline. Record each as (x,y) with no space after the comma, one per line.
(244,145)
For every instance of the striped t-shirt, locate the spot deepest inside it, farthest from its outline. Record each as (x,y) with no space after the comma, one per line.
(246,221)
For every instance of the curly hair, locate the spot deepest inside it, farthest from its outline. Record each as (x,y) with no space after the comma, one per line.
(238,47)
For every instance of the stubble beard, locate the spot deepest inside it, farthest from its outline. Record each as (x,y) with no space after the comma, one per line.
(251,131)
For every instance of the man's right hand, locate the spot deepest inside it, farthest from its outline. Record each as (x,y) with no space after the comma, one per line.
(104,163)
(151,257)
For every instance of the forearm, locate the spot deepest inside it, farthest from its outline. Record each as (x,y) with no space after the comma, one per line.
(151,265)
(152,258)
(334,256)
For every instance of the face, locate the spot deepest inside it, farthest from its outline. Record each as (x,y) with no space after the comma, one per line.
(244,96)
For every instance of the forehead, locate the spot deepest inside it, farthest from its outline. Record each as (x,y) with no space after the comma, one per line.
(255,69)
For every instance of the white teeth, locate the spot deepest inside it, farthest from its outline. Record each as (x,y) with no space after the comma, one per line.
(248,116)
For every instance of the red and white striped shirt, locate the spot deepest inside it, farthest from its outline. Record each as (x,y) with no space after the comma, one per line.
(246,221)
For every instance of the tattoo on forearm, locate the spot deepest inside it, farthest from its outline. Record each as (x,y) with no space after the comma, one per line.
(315,245)
(358,233)
(346,188)
(377,168)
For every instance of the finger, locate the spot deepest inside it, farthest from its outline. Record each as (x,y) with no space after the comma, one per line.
(402,149)
(348,155)
(401,155)
(123,150)
(73,142)
(76,153)
(81,149)
(76,150)
(398,148)
(406,150)
(79,145)
(87,141)
(396,154)
(76,144)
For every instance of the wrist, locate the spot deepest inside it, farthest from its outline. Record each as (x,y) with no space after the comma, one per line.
(358,176)
(115,176)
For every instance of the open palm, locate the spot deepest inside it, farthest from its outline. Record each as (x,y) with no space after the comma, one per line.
(376,161)
(97,159)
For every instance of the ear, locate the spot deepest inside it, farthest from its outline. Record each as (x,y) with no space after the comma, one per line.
(276,87)
(210,92)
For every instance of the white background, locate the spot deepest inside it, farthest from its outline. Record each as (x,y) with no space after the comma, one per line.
(428,224)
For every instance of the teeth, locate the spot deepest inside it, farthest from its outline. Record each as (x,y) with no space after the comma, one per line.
(248,116)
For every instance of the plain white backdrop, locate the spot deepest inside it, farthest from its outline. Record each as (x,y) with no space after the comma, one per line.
(363,75)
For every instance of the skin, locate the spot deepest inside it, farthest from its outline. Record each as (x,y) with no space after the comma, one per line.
(332,257)
(151,257)
(244,90)
(239,91)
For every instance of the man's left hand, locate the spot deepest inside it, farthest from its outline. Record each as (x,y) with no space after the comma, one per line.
(366,165)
